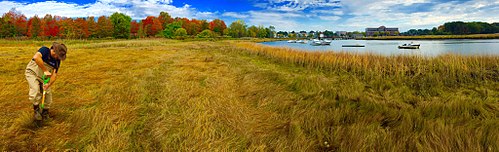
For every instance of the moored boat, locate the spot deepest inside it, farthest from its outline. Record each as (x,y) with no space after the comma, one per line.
(409,46)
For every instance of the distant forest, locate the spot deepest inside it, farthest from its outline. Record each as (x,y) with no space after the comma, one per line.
(16,25)
(457,28)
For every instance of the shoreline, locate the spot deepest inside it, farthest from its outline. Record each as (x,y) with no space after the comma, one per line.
(435,37)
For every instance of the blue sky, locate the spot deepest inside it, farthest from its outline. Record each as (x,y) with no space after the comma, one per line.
(333,15)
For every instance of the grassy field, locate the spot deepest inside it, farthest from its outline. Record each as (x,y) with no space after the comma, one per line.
(168,95)
(431,37)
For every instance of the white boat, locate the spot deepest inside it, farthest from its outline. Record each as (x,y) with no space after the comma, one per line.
(292,41)
(415,44)
(299,41)
(326,42)
(316,42)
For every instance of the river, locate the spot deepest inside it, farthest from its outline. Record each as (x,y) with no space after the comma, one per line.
(467,47)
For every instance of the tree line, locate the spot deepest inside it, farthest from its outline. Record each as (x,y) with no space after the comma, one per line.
(16,25)
(457,28)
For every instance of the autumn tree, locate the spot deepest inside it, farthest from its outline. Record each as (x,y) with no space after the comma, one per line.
(34,27)
(217,26)
(205,25)
(121,25)
(67,28)
(193,26)
(20,24)
(165,19)
(134,29)
(92,27)
(81,29)
(152,25)
(105,27)
(10,26)
(50,28)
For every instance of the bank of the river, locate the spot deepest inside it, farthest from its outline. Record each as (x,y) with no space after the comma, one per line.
(433,37)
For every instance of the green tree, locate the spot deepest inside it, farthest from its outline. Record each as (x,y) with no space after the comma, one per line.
(121,25)
(271,32)
(252,31)
(171,28)
(181,32)
(237,29)
(262,32)
(206,34)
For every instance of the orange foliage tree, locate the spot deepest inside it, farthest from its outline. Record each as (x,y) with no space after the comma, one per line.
(218,26)
(82,28)
(105,27)
(34,27)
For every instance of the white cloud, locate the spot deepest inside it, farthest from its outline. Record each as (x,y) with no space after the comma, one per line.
(379,13)
(235,15)
(283,21)
(296,5)
(137,9)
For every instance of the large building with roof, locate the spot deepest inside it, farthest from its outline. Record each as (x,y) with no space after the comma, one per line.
(382,30)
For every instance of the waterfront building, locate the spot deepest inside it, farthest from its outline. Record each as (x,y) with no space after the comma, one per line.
(382,30)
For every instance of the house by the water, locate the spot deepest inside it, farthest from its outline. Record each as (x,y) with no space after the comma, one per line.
(382,30)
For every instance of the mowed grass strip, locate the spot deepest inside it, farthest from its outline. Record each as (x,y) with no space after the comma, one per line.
(155,94)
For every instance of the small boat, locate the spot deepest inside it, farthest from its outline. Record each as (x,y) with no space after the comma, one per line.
(354,45)
(292,41)
(317,42)
(326,42)
(409,46)
(415,44)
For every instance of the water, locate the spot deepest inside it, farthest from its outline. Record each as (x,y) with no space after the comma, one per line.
(469,47)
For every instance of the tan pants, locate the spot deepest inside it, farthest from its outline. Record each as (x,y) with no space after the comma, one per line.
(34,77)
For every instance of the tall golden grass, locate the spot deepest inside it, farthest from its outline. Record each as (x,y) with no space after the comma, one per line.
(168,95)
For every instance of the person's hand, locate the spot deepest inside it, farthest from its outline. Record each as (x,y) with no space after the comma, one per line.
(47,73)
(46,86)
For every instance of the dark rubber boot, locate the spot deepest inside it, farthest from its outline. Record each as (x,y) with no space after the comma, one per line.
(45,114)
(37,115)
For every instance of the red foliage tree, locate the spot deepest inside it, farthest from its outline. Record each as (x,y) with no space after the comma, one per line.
(218,26)
(134,28)
(152,25)
(21,25)
(34,27)
(49,26)
(14,24)
(82,28)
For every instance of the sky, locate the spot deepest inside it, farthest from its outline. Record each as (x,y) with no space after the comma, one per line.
(286,15)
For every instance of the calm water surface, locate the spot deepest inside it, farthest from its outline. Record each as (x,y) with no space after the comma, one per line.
(389,47)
